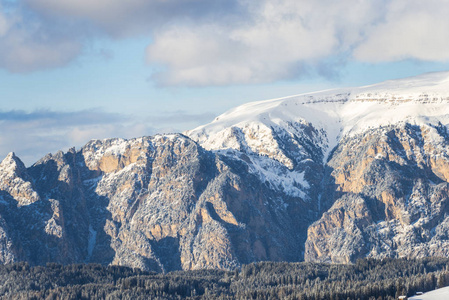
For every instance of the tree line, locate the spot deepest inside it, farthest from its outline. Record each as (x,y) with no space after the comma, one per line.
(366,279)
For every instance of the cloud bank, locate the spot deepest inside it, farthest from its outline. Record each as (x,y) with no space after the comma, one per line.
(222,42)
(33,134)
(27,43)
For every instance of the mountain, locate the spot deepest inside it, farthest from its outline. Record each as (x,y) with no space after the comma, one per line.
(158,203)
(374,159)
(330,176)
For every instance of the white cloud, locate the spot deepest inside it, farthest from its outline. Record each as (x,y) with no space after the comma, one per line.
(27,43)
(4,23)
(31,135)
(280,40)
(203,42)
(125,18)
(79,134)
(412,29)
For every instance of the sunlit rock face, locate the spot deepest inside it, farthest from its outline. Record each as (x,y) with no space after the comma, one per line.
(389,194)
(329,176)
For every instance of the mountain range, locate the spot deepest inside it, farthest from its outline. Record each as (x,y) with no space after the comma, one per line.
(330,176)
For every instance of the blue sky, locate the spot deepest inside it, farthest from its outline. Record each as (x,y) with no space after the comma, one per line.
(74,70)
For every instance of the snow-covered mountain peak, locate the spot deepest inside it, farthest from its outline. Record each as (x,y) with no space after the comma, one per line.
(14,180)
(419,99)
(11,163)
(283,129)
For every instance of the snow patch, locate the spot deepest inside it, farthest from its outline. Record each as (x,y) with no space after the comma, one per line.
(438,294)
(278,177)
(93,181)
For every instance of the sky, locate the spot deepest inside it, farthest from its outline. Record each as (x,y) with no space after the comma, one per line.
(75,70)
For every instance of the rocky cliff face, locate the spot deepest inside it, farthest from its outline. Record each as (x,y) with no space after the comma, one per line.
(330,176)
(390,194)
(158,203)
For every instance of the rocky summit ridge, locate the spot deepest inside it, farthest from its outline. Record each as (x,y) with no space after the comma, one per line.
(330,176)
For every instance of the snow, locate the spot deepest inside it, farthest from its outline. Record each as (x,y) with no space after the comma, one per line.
(96,149)
(262,117)
(429,83)
(9,164)
(93,181)
(439,294)
(117,148)
(290,182)
(420,100)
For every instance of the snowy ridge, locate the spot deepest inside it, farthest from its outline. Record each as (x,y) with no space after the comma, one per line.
(256,128)
(398,100)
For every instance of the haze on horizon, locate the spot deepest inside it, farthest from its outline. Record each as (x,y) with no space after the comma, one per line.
(74,70)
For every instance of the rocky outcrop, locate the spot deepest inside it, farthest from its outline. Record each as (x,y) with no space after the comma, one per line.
(159,203)
(164,203)
(390,196)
